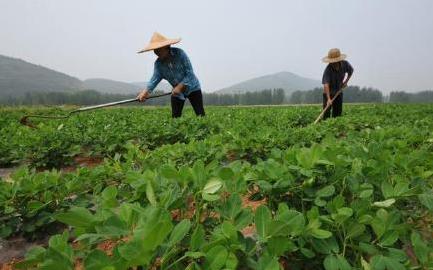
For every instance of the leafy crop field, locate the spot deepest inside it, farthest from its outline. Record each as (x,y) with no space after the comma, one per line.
(242,188)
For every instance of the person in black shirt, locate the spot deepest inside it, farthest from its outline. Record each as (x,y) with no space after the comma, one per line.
(334,79)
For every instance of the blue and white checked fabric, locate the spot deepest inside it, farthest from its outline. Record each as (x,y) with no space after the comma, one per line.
(176,69)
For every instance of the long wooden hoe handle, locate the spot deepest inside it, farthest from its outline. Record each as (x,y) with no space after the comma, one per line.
(327,106)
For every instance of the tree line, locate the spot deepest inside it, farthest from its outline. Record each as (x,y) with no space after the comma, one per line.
(403,97)
(352,94)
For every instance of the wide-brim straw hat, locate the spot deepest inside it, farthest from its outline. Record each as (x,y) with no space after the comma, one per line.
(159,41)
(334,55)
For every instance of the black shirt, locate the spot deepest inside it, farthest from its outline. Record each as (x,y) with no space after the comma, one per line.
(335,77)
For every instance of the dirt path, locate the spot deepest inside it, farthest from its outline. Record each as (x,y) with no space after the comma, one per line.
(15,248)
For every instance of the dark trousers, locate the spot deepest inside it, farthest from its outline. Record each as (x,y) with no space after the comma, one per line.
(336,107)
(196,100)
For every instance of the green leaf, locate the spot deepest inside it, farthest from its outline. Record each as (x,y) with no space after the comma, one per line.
(243,219)
(294,221)
(97,260)
(226,174)
(212,186)
(267,262)
(169,172)
(366,193)
(365,264)
(229,230)
(134,252)
(78,217)
(355,230)
(109,197)
(331,263)
(378,262)
(365,219)
(113,227)
(232,206)
(277,246)
(368,248)
(319,202)
(109,192)
(34,256)
(216,258)
(179,232)
(389,238)
(420,248)
(195,255)
(232,261)
(262,219)
(152,229)
(210,197)
(392,264)
(308,253)
(326,191)
(342,214)
(321,234)
(150,193)
(384,204)
(387,190)
(197,238)
(426,199)
(342,263)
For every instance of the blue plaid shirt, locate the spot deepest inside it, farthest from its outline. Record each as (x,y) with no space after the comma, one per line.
(176,69)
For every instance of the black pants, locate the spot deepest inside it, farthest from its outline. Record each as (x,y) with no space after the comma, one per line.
(337,106)
(196,100)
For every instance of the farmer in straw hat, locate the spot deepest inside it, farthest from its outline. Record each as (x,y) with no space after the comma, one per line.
(334,79)
(174,66)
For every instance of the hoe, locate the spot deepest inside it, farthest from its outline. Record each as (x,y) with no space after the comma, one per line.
(25,119)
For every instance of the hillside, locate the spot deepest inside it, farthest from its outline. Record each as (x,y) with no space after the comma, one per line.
(110,86)
(18,77)
(286,80)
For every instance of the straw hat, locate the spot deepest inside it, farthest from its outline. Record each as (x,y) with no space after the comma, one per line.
(158,41)
(334,55)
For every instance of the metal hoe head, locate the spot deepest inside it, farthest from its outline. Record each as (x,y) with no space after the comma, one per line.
(25,119)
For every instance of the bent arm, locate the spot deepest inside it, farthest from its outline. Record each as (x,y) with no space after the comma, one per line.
(349,72)
(155,80)
(327,91)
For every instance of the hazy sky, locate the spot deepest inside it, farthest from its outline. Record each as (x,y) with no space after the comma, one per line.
(389,42)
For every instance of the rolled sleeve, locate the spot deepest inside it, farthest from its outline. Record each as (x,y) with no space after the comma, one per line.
(155,80)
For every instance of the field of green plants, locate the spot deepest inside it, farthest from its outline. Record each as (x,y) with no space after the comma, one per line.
(242,188)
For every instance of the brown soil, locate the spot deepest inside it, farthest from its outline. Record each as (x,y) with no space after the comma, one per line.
(81,161)
(249,231)
(246,202)
(178,215)
(14,249)
(108,246)
(5,173)
(10,265)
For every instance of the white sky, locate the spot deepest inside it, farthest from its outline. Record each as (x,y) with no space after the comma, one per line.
(389,42)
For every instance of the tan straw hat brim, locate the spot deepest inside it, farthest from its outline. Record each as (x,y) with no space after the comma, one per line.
(157,45)
(334,60)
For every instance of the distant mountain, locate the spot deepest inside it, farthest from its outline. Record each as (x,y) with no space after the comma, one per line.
(18,77)
(110,86)
(286,80)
